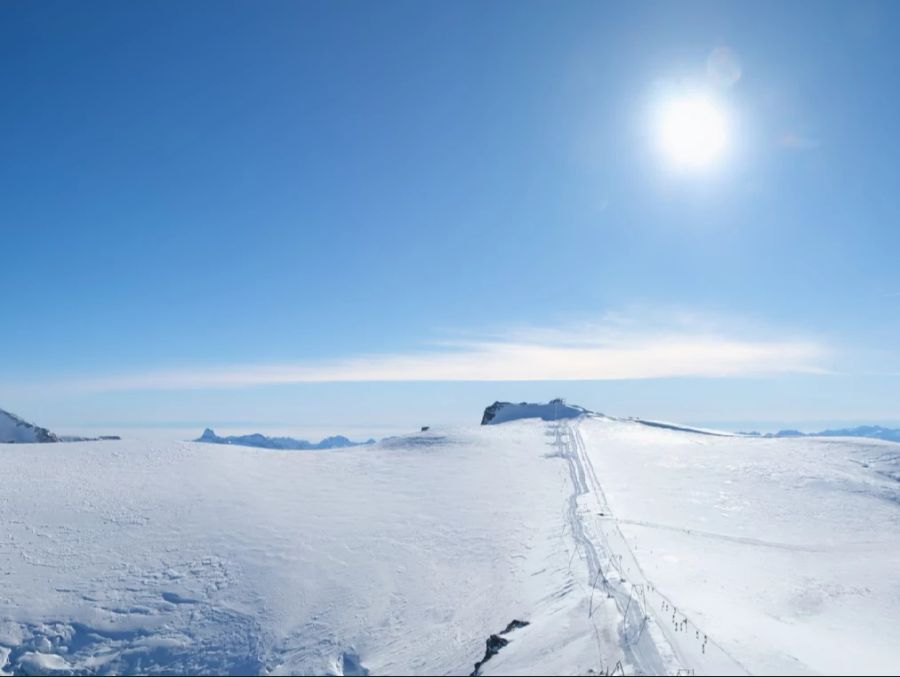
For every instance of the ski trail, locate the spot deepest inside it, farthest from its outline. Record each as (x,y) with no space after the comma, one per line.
(639,647)
(655,636)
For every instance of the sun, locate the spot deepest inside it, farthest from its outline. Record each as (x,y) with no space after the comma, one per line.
(693,131)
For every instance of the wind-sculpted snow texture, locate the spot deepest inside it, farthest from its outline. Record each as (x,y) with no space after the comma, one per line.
(625,548)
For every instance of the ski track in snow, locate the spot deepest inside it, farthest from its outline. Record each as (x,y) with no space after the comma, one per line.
(640,651)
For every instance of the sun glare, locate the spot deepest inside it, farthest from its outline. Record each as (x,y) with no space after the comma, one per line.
(693,131)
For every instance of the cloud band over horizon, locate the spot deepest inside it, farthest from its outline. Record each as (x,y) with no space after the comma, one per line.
(547,356)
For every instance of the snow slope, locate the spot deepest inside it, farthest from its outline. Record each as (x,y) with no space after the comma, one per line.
(626,547)
(14,429)
(784,552)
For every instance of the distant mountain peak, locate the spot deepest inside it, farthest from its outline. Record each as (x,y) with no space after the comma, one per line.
(870,431)
(259,440)
(16,429)
(554,410)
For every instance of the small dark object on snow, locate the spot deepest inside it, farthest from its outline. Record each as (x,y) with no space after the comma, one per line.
(426,428)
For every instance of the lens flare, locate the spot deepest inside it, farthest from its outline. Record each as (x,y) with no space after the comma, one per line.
(723,67)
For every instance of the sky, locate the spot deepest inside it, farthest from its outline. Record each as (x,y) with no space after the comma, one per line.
(365,216)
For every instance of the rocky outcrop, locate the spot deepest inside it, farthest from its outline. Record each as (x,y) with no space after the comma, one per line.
(494,643)
(554,410)
(491,411)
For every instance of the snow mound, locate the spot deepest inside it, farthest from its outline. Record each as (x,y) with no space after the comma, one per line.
(554,410)
(14,429)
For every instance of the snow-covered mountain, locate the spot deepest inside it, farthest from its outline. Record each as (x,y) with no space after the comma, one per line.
(578,545)
(258,440)
(14,429)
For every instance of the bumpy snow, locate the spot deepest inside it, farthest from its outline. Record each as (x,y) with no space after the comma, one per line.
(626,547)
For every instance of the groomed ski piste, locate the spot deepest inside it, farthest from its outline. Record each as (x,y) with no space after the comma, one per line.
(627,547)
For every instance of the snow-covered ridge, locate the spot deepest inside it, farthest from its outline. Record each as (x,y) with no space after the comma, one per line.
(558,410)
(554,410)
(259,440)
(15,429)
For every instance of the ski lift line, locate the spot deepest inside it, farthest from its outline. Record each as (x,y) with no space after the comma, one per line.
(579,452)
(617,560)
(630,591)
(652,590)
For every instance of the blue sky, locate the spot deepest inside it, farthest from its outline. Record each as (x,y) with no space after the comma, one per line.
(258,213)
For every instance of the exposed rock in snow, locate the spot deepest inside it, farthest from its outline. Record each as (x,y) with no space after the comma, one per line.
(258,440)
(14,429)
(554,410)
(494,643)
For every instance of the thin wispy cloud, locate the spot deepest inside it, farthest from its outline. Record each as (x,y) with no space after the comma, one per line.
(611,351)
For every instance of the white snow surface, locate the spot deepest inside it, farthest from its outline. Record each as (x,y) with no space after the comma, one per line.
(623,545)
